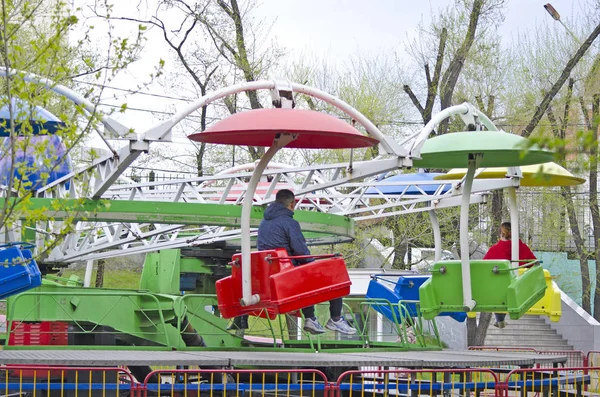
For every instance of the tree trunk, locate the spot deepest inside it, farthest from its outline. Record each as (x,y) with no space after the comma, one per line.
(476,333)
(400,251)
(497,201)
(292,326)
(243,63)
(200,159)
(471,331)
(580,247)
(560,132)
(100,274)
(543,107)
(452,74)
(594,197)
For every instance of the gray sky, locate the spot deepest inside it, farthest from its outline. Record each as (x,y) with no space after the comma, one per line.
(335,30)
(339,27)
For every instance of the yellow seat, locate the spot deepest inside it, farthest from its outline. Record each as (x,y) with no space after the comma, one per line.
(550,305)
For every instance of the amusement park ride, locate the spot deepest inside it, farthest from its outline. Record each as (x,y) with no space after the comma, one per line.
(195,232)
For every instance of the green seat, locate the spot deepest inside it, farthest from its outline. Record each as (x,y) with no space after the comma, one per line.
(494,287)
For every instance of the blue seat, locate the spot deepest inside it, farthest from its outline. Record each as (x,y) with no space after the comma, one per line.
(18,271)
(405,289)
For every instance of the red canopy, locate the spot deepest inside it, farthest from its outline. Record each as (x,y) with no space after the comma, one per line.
(259,127)
(261,190)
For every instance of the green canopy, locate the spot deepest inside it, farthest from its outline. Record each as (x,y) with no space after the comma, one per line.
(499,149)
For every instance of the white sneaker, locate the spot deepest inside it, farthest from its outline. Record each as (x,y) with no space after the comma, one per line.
(410,337)
(313,326)
(340,326)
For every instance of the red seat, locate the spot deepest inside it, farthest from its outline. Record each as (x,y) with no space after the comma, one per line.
(282,287)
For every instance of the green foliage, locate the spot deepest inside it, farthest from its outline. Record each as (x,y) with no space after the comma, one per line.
(38,48)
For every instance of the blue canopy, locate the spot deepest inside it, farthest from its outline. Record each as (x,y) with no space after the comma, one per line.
(405,188)
(40,119)
(29,166)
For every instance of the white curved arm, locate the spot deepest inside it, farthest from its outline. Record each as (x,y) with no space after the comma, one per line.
(109,123)
(389,145)
(463,109)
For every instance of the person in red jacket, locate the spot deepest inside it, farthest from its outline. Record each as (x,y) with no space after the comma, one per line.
(502,250)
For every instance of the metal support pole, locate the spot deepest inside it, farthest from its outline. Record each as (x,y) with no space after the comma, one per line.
(437,235)
(514,223)
(87,278)
(278,143)
(468,301)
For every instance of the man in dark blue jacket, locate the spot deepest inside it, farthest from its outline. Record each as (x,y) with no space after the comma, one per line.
(279,229)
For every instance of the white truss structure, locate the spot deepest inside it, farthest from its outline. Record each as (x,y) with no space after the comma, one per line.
(359,200)
(341,189)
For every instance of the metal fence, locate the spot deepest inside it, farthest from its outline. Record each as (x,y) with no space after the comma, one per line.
(544,221)
(33,381)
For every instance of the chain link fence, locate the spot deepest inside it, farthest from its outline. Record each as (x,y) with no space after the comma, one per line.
(544,221)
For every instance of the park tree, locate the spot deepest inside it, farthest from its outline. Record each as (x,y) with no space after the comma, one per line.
(562,59)
(39,52)
(443,48)
(547,67)
(474,69)
(214,44)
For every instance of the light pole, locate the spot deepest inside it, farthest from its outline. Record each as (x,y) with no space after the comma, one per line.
(552,11)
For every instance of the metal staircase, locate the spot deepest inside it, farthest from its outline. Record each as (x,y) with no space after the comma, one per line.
(528,331)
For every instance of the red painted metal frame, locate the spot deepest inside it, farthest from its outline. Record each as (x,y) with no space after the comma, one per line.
(328,387)
(28,372)
(575,358)
(523,372)
(569,377)
(432,372)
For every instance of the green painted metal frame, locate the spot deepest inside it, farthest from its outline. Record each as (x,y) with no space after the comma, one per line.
(495,288)
(153,313)
(133,315)
(400,324)
(179,213)
(277,330)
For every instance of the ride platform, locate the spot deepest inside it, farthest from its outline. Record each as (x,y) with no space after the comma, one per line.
(283,358)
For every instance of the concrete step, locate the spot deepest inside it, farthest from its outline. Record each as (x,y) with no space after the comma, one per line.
(552,345)
(523,326)
(524,331)
(524,320)
(528,331)
(510,341)
(520,337)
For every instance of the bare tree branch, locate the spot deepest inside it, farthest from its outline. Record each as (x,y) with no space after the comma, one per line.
(593,180)
(541,109)
(414,100)
(452,73)
(586,115)
(432,89)
(479,102)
